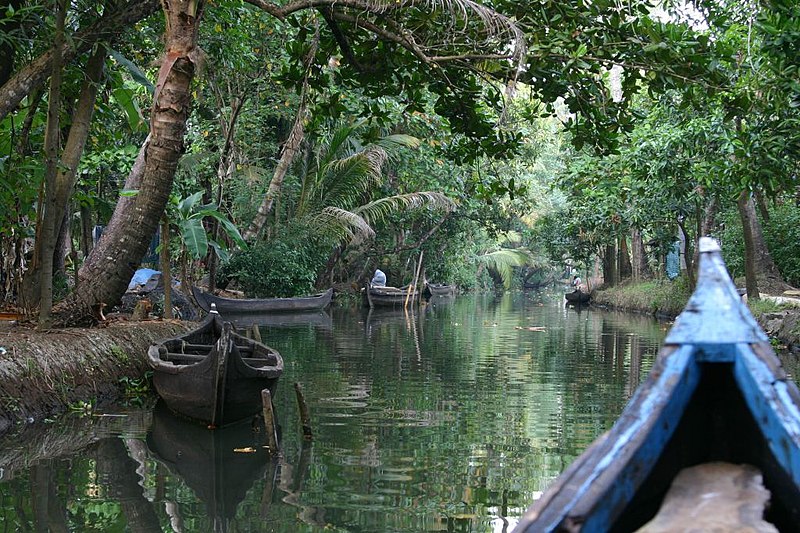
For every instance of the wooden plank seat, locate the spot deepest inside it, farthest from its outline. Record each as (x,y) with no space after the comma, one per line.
(186,358)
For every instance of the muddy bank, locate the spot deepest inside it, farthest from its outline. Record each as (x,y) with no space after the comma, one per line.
(43,374)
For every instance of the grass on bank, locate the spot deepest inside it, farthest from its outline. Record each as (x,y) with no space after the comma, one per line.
(660,296)
(665,297)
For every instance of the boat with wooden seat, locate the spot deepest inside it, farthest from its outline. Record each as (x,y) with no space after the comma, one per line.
(297,304)
(389,296)
(716,395)
(213,374)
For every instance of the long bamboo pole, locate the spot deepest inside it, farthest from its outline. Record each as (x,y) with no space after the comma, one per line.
(416,280)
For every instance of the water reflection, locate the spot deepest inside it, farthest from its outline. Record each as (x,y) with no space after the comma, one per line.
(451,418)
(219,466)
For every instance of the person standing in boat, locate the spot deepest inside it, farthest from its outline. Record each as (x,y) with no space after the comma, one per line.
(576,282)
(379,279)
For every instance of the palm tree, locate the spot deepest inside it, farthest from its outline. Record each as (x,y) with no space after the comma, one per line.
(338,198)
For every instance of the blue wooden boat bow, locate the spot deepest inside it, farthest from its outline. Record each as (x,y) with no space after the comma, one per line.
(717,392)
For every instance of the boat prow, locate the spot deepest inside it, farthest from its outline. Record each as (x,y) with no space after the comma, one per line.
(717,393)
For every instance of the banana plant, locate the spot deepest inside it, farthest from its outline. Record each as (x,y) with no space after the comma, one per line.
(186,216)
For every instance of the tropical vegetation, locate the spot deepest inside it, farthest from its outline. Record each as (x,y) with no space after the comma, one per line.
(491,142)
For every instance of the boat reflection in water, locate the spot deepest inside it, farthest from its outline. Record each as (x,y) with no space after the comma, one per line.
(219,466)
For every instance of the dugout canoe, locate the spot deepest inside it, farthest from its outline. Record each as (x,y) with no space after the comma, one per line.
(716,393)
(212,374)
(228,306)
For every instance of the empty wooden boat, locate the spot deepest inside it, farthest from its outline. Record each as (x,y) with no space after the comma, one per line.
(228,306)
(212,374)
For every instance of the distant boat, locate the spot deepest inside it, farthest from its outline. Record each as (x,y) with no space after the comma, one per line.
(716,397)
(220,467)
(212,374)
(578,297)
(389,296)
(297,304)
(441,289)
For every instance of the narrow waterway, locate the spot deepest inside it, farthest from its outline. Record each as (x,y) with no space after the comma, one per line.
(454,418)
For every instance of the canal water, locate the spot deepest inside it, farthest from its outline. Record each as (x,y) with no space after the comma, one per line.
(453,418)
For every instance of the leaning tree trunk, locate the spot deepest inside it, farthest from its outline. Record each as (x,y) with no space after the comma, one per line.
(119,252)
(288,152)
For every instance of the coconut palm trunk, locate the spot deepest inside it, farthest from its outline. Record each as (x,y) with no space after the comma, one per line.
(113,261)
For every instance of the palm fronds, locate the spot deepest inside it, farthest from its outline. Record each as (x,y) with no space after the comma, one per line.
(383,207)
(503,261)
(340,225)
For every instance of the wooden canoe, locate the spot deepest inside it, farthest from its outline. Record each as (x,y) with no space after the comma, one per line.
(389,296)
(441,289)
(228,306)
(212,374)
(578,297)
(717,393)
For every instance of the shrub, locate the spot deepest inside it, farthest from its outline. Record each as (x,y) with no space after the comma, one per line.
(286,265)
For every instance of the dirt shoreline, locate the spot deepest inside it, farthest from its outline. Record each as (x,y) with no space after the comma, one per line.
(42,374)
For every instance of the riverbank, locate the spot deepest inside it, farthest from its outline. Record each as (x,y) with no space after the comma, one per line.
(43,374)
(665,299)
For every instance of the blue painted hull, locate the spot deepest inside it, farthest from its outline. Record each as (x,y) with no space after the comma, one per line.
(716,393)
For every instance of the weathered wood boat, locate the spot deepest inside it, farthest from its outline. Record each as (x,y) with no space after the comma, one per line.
(219,466)
(319,319)
(228,306)
(717,393)
(212,374)
(441,289)
(389,296)
(578,297)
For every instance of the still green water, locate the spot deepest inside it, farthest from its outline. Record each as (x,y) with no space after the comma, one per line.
(454,418)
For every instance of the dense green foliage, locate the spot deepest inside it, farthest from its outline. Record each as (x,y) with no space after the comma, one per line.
(589,130)
(287,265)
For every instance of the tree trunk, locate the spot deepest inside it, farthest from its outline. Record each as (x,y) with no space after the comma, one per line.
(747,214)
(625,268)
(687,257)
(87,241)
(289,150)
(709,216)
(759,266)
(166,275)
(51,146)
(641,270)
(122,246)
(610,277)
(225,170)
(36,73)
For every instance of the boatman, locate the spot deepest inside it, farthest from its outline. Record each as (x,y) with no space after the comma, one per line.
(379,279)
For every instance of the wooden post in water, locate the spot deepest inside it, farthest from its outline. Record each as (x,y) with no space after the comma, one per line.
(305,419)
(413,286)
(269,421)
